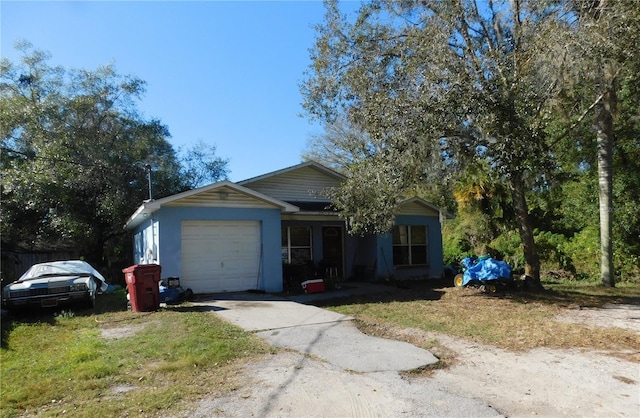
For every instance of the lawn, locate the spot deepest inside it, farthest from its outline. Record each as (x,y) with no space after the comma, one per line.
(514,320)
(112,362)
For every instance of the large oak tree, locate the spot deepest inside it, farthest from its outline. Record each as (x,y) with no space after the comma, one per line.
(454,79)
(76,154)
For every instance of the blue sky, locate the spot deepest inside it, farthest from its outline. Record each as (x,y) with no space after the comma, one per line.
(226,73)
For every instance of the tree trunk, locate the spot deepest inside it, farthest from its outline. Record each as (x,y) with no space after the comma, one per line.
(532,262)
(604,132)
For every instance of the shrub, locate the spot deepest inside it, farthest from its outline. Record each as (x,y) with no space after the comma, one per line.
(509,248)
(455,245)
(584,251)
(552,251)
(627,264)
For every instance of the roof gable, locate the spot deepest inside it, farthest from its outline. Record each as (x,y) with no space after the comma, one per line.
(220,194)
(305,182)
(417,206)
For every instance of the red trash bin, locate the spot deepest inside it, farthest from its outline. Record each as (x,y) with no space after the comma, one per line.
(142,284)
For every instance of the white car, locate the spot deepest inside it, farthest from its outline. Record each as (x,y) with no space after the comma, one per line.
(57,283)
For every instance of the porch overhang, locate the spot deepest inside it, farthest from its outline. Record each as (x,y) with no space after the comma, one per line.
(312,216)
(311,211)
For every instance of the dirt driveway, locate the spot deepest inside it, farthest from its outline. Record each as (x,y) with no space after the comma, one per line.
(484,382)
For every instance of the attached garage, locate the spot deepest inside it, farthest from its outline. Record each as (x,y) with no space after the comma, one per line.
(221,256)
(219,238)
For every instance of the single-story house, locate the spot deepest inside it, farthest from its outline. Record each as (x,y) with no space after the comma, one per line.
(276,230)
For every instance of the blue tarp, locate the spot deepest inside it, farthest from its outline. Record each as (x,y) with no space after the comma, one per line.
(484,269)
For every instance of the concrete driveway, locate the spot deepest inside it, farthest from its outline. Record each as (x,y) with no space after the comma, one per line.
(311,330)
(358,377)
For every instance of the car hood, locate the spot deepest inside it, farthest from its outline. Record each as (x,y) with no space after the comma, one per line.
(59,273)
(57,281)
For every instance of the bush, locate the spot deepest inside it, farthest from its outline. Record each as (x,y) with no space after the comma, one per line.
(578,255)
(552,251)
(627,264)
(509,247)
(455,245)
(584,251)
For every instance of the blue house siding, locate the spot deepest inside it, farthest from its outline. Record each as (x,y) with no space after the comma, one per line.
(139,242)
(170,238)
(145,242)
(434,269)
(366,258)
(351,251)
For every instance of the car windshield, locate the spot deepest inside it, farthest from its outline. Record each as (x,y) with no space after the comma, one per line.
(60,268)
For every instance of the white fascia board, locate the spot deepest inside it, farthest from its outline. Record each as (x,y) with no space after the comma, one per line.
(142,213)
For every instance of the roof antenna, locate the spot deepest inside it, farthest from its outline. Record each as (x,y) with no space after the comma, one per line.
(148,168)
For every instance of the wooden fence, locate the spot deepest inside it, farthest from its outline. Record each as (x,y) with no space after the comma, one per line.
(13,264)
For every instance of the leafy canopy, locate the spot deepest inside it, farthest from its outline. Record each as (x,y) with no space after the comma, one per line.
(74,155)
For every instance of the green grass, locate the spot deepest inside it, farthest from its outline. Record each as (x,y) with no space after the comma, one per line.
(590,292)
(514,320)
(61,364)
(52,365)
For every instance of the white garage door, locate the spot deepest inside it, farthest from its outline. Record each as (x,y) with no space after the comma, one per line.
(220,256)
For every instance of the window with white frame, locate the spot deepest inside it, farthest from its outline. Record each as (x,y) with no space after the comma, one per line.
(410,245)
(296,244)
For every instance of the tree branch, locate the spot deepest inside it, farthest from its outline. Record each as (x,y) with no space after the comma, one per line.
(580,119)
(587,110)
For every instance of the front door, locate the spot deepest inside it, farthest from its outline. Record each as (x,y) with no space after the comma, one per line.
(332,251)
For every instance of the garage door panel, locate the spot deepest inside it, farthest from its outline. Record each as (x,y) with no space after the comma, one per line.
(220,256)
